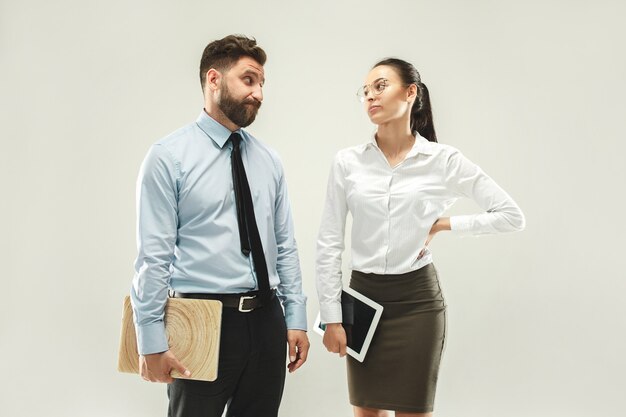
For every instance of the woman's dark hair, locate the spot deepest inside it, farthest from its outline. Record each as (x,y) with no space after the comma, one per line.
(224,53)
(421,113)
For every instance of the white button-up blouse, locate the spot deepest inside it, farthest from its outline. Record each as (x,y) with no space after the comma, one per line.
(394,208)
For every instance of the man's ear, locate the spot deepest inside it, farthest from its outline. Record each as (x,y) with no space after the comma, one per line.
(212,79)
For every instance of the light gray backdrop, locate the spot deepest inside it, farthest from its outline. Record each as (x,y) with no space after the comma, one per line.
(531,91)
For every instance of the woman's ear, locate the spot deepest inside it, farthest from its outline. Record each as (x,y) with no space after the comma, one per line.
(411,92)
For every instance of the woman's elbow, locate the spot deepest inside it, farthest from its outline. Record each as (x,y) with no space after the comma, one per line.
(518,221)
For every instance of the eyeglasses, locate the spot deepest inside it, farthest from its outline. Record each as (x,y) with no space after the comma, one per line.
(377,87)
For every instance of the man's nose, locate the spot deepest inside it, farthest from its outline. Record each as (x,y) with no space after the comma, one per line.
(258,93)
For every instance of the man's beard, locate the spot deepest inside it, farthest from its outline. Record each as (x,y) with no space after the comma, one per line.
(240,113)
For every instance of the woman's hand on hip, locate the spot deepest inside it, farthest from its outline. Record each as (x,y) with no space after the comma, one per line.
(442,223)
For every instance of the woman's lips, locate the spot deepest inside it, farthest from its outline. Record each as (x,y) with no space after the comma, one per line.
(373,109)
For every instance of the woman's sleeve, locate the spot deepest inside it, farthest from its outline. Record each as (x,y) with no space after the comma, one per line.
(466,179)
(330,246)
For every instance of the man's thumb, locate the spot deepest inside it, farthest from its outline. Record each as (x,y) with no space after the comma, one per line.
(292,352)
(181,368)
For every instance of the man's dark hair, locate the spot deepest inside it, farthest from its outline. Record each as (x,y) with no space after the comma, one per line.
(223,53)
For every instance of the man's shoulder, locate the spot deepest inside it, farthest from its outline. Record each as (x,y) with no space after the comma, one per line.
(183,144)
(263,149)
(182,134)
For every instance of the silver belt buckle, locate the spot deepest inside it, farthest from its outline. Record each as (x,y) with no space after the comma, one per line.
(242,299)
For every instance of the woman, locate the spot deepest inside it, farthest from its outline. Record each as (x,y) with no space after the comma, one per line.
(396,187)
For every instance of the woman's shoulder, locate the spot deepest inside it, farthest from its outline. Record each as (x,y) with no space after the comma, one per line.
(438,150)
(353,150)
(351,153)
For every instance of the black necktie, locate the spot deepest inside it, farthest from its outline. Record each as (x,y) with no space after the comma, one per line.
(248,231)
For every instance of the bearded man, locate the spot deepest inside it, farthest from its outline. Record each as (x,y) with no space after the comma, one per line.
(214,222)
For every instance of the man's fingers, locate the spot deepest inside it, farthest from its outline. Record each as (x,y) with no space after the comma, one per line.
(295,365)
(158,367)
(180,368)
(159,375)
(304,352)
(167,378)
(292,351)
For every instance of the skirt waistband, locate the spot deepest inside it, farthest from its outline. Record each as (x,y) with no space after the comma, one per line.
(423,271)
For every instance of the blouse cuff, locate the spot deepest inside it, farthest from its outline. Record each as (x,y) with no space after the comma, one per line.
(461,224)
(331,312)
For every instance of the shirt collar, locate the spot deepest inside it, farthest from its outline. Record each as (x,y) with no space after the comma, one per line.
(421,145)
(214,130)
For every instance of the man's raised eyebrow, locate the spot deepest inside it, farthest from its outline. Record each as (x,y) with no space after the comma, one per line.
(255,73)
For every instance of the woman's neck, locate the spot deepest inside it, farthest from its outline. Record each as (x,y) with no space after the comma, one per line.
(394,139)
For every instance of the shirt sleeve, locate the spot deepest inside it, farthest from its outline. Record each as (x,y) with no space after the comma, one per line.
(288,264)
(157,224)
(330,246)
(466,179)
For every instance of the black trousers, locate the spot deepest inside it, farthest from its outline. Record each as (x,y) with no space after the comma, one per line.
(251,370)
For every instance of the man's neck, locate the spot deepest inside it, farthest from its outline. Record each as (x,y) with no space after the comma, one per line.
(219,116)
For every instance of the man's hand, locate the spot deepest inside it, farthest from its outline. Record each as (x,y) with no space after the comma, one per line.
(335,339)
(298,348)
(156,367)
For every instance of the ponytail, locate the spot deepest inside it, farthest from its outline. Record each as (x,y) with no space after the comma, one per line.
(421,112)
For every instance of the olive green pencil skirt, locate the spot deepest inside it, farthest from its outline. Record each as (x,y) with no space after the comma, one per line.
(401,366)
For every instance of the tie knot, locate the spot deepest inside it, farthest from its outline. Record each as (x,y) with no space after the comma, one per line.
(235,139)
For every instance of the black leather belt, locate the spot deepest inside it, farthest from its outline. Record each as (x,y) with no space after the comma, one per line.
(244,302)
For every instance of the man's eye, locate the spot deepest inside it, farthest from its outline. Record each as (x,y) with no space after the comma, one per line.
(247,80)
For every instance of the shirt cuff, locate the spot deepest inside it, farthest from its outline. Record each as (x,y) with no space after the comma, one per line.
(461,224)
(331,313)
(151,338)
(295,317)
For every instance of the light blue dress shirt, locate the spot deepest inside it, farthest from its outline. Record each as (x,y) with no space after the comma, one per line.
(187,232)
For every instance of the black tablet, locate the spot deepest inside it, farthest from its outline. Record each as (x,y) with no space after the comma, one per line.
(360,317)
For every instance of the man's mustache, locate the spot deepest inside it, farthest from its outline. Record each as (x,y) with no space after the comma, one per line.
(256,103)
